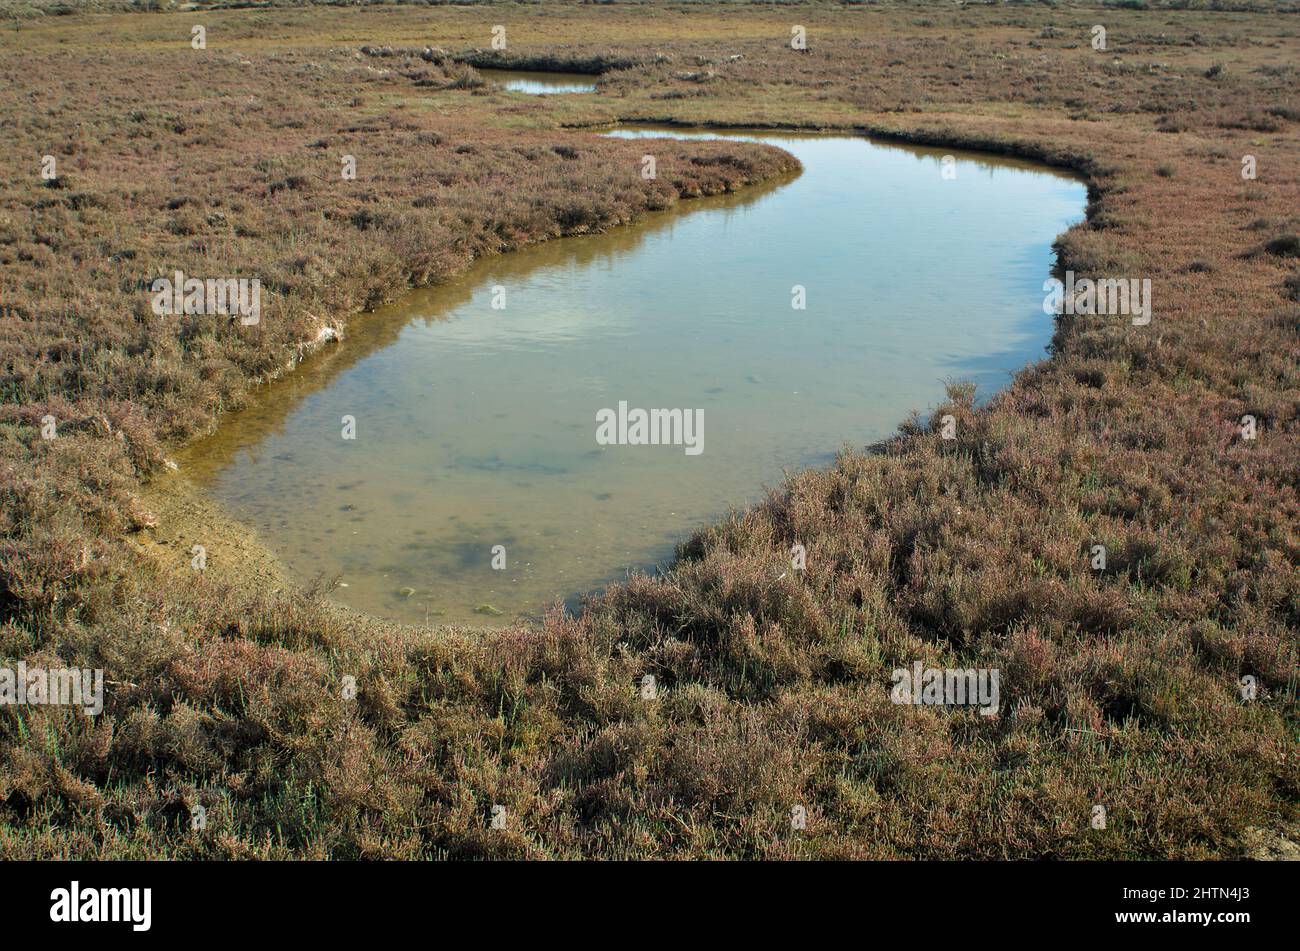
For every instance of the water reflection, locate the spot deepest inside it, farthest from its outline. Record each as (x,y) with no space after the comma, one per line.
(540,84)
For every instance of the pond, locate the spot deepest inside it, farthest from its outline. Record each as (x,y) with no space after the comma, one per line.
(490,437)
(538,83)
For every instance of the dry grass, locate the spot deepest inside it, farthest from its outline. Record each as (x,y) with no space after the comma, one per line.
(1119,687)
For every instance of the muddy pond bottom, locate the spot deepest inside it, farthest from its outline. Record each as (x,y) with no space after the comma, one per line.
(783,323)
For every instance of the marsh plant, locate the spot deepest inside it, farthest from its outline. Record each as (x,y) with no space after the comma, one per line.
(23,685)
(225,296)
(947,687)
(1107,296)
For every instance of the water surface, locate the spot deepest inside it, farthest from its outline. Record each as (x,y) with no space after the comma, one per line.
(476,426)
(540,84)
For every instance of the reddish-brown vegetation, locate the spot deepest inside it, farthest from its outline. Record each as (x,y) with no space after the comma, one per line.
(1120,686)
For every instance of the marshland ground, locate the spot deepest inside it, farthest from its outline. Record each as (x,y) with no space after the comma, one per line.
(227,688)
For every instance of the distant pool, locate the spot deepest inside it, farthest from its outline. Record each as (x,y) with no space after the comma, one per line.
(540,84)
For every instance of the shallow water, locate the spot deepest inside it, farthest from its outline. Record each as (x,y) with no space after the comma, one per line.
(476,427)
(540,84)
